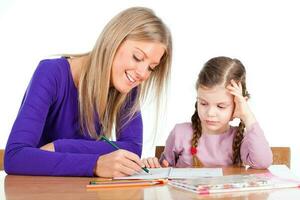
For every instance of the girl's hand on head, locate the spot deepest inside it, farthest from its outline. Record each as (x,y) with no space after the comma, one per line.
(242,109)
(118,163)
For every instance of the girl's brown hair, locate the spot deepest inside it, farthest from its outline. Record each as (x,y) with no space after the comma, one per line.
(220,71)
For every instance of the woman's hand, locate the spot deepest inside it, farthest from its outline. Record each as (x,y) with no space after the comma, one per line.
(48,147)
(153,163)
(242,109)
(118,163)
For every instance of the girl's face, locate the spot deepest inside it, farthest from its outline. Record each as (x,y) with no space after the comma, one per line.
(215,109)
(133,63)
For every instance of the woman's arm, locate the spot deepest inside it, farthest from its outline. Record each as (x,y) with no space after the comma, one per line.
(130,138)
(22,155)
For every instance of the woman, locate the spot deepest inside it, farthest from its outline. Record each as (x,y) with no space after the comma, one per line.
(72,101)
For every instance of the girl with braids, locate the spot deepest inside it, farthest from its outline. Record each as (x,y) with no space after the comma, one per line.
(209,140)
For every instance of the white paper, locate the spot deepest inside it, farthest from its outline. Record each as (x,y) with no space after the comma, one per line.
(176,173)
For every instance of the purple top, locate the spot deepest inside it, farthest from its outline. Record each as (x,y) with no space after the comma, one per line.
(49,113)
(216,150)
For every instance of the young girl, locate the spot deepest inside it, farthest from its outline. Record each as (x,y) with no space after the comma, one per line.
(209,140)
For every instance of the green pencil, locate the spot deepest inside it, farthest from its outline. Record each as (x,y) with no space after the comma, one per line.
(103,137)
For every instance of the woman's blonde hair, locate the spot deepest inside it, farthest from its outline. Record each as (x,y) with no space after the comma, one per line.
(220,71)
(98,102)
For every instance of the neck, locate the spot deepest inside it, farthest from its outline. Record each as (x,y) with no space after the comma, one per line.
(76,66)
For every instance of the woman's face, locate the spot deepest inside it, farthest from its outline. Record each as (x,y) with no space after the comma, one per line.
(215,109)
(133,63)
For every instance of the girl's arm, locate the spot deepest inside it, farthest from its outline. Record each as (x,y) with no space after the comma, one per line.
(255,150)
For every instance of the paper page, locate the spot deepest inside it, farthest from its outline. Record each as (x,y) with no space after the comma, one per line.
(282,171)
(155,173)
(190,173)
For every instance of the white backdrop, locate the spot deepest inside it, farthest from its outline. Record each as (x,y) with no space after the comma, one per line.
(264,35)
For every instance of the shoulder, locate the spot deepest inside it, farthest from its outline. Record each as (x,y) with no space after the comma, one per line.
(52,66)
(183,129)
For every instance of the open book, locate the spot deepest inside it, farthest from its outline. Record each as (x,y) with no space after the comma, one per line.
(233,183)
(176,173)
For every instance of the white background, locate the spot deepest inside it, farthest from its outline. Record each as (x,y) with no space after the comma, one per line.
(264,35)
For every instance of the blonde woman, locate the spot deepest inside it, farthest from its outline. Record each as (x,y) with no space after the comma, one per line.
(71,101)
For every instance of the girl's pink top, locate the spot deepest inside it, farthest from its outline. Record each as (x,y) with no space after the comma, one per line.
(216,150)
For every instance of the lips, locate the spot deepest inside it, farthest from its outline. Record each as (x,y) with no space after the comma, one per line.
(211,122)
(130,78)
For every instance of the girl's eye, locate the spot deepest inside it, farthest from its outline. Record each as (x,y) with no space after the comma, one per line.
(136,58)
(203,104)
(222,107)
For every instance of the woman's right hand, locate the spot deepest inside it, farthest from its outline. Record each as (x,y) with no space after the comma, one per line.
(118,163)
(154,163)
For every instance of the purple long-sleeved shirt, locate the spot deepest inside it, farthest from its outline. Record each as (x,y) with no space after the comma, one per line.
(49,113)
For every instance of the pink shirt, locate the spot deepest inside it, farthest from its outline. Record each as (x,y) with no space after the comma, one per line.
(216,150)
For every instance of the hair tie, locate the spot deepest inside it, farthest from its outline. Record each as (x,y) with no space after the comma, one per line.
(193,150)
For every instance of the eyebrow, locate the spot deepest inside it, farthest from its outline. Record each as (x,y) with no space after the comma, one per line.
(225,103)
(154,63)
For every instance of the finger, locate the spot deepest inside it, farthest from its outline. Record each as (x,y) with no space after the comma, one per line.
(145,161)
(165,163)
(156,163)
(133,157)
(125,171)
(151,162)
(131,165)
(234,83)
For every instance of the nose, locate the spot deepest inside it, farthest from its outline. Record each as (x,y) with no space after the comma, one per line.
(142,72)
(211,111)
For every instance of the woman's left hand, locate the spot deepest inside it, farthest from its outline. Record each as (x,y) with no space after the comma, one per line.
(48,147)
(242,109)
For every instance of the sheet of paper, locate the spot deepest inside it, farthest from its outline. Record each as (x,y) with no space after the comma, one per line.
(282,171)
(177,173)
(190,173)
(155,173)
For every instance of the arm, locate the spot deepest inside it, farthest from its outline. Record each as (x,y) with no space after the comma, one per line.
(22,155)
(130,138)
(170,149)
(255,150)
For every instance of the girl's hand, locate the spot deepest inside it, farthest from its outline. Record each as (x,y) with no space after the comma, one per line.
(242,109)
(118,163)
(48,147)
(154,163)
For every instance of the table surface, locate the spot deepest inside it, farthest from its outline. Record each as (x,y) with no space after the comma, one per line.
(41,187)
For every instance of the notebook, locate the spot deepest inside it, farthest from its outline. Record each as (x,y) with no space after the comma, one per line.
(234,183)
(176,173)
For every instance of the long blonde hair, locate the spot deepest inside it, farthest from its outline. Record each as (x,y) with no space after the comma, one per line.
(100,102)
(220,70)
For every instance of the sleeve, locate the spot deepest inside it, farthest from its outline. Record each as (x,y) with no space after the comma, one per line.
(130,138)
(22,156)
(255,150)
(170,154)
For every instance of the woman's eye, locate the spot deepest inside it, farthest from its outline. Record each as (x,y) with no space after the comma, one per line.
(150,69)
(136,58)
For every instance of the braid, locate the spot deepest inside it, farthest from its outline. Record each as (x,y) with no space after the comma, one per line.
(197,130)
(236,144)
